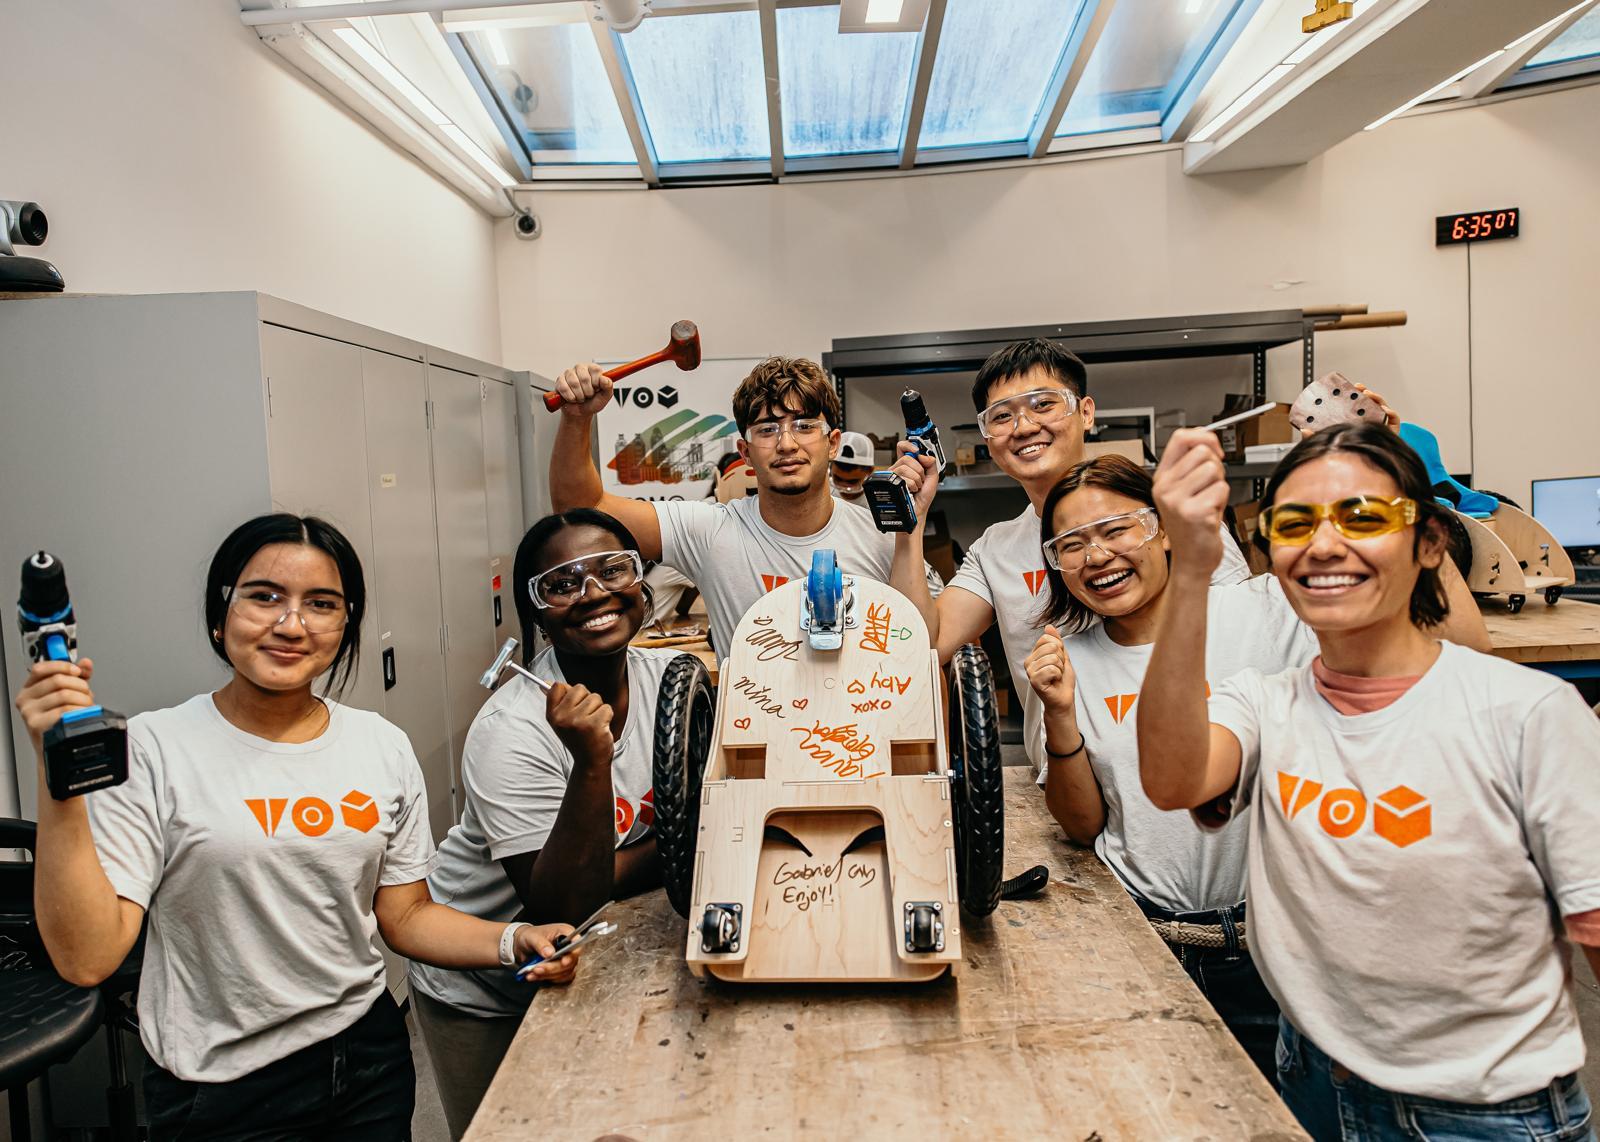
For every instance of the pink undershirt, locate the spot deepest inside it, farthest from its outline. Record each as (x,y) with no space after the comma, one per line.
(1350,694)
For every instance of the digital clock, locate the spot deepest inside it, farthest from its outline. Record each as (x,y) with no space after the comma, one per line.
(1475,226)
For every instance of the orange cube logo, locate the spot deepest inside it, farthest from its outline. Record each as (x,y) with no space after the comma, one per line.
(1402,816)
(359,811)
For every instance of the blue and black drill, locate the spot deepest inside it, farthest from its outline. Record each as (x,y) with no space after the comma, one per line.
(88,748)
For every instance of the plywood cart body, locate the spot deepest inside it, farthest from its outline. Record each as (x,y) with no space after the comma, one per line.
(833,832)
(1515,555)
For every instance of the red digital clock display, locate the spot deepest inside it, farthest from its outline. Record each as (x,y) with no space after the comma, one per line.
(1476,226)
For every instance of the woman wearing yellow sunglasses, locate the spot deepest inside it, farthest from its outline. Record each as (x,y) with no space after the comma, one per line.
(1420,815)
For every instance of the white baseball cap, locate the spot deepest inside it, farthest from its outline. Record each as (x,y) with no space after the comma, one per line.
(854,448)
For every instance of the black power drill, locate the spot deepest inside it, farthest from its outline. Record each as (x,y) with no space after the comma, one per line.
(88,748)
(887,495)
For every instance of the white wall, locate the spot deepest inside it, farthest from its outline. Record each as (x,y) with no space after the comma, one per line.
(172,151)
(788,268)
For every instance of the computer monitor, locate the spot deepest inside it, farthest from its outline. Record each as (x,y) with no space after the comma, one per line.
(1570,508)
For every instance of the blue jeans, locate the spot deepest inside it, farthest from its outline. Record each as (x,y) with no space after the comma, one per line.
(1227,977)
(1332,1103)
(358,1086)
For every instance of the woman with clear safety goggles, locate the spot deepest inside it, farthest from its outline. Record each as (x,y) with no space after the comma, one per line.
(271,834)
(1107,554)
(558,814)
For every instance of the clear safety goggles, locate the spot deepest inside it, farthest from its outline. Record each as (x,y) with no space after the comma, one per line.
(1042,406)
(564,584)
(265,607)
(1113,535)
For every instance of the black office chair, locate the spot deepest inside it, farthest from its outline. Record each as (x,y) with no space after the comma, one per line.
(43,1018)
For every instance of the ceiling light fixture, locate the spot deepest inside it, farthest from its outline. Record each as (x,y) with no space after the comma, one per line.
(882,15)
(422,104)
(379,63)
(1239,104)
(1435,89)
(477,154)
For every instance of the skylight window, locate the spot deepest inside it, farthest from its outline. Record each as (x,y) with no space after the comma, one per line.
(554,92)
(841,94)
(700,84)
(994,65)
(1147,54)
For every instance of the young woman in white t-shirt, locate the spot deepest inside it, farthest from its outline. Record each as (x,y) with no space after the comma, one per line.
(558,787)
(270,835)
(1423,818)
(1107,554)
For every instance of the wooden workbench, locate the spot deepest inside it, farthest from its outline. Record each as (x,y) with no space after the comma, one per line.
(1070,1020)
(1566,632)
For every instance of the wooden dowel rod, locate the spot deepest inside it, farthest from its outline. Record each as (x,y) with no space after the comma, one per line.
(1332,310)
(1363,321)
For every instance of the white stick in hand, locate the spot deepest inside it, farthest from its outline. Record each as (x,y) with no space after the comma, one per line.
(1238,416)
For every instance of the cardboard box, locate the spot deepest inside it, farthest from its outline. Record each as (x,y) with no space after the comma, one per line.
(1269,428)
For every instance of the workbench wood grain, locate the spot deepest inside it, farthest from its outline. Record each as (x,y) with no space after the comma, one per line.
(1070,1020)
(1566,632)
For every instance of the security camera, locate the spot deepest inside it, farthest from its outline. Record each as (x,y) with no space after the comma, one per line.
(21,224)
(528,227)
(24,224)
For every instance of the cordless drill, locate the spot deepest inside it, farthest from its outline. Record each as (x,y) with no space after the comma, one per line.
(88,748)
(886,493)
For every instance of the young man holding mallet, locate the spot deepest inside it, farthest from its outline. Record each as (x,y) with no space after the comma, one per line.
(787,414)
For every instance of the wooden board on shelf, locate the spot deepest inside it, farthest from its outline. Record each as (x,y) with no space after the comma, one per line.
(1070,1019)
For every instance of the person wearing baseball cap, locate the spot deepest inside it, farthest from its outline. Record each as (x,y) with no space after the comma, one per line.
(852,465)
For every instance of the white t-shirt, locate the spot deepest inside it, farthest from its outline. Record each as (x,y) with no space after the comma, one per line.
(515,771)
(1408,868)
(735,558)
(1005,568)
(258,862)
(1162,856)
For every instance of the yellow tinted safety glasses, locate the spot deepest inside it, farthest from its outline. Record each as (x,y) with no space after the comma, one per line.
(1359,517)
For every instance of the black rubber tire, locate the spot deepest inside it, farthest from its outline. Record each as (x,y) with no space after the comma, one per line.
(977,794)
(685,709)
(1552,596)
(1515,603)
(1498,496)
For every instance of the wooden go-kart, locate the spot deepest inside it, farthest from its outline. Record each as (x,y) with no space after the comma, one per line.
(812,821)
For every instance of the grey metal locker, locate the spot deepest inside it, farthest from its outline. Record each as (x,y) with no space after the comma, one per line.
(318,456)
(503,483)
(404,580)
(462,510)
(137,432)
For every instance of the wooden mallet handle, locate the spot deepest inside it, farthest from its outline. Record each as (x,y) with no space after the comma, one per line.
(683,350)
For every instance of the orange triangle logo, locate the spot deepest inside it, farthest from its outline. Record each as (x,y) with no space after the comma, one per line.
(1296,793)
(772,582)
(268,812)
(1034,580)
(1119,705)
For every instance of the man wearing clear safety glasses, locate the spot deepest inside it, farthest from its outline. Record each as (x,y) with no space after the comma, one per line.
(788,415)
(1033,410)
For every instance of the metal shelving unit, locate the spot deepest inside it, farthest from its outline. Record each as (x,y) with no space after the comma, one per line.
(1146,339)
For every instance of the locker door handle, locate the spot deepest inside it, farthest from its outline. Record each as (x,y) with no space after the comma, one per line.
(388,668)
